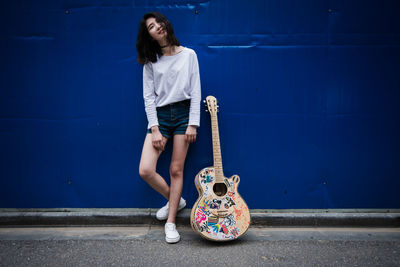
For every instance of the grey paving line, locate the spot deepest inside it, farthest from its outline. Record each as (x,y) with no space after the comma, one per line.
(156,232)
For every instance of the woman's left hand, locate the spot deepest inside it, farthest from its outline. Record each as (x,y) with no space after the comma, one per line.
(191,133)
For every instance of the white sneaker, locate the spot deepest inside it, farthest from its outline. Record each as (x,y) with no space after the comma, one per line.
(162,214)
(171,235)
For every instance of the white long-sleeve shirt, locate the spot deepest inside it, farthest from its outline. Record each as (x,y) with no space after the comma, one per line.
(172,79)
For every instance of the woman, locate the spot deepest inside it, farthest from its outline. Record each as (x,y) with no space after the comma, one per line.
(172,94)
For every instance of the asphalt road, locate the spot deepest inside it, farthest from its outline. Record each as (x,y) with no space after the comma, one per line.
(145,246)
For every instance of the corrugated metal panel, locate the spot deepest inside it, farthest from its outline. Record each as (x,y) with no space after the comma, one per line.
(308,92)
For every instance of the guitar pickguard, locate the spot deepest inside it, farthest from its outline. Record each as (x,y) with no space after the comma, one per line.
(219,218)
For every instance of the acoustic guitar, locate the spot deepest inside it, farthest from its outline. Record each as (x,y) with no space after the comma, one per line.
(220,213)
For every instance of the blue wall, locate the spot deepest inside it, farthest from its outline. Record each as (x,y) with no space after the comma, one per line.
(309,101)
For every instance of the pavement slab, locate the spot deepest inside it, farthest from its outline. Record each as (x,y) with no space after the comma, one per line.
(144,245)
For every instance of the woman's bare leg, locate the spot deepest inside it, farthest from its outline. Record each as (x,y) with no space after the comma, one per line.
(148,164)
(180,148)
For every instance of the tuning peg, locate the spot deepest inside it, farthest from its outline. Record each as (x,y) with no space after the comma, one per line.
(206,110)
(204,101)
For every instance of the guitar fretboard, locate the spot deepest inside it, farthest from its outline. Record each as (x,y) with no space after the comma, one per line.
(219,174)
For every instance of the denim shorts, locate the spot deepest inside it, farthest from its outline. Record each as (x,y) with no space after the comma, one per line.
(173,118)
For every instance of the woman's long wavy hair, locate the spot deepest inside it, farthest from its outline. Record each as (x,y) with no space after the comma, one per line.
(146,46)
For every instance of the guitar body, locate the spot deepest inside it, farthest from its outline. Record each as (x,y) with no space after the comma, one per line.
(221,217)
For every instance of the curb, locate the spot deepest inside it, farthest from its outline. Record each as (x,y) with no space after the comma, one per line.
(260,218)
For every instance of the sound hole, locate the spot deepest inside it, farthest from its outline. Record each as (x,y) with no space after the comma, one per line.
(220,189)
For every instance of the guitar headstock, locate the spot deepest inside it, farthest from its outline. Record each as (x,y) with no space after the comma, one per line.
(211,105)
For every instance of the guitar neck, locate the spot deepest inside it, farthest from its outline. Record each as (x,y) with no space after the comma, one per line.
(219,174)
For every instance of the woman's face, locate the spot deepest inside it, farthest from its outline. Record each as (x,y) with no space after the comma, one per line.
(156,30)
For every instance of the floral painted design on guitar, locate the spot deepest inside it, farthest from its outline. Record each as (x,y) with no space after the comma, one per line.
(219,217)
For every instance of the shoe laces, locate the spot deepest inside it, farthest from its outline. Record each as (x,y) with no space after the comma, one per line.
(170,226)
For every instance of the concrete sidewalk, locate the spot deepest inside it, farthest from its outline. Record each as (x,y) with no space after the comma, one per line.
(156,233)
(128,216)
(144,245)
(133,237)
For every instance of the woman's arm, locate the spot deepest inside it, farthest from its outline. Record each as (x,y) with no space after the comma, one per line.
(150,107)
(149,95)
(195,96)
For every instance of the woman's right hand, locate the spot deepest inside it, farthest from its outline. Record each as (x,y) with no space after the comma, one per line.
(157,139)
